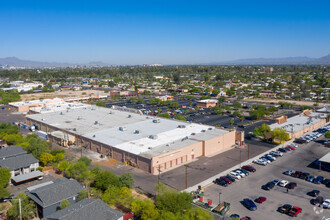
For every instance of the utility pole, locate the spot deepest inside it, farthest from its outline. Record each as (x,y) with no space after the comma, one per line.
(186,176)
(159,174)
(240,158)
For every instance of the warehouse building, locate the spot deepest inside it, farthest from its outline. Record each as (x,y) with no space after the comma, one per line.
(149,143)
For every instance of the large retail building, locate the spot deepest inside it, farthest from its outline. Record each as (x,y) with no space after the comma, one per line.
(149,143)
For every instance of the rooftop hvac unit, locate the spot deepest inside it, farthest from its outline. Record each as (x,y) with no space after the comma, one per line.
(193,133)
(203,130)
(149,148)
(74,129)
(129,116)
(136,132)
(181,126)
(94,136)
(122,129)
(43,119)
(96,122)
(61,113)
(156,120)
(210,128)
(154,137)
(111,112)
(185,138)
(78,118)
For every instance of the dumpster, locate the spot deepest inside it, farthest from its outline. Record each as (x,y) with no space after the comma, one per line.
(222,208)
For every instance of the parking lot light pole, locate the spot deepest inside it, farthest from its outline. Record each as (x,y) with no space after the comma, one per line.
(219,197)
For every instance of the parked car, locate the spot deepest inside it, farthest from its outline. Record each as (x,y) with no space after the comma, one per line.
(318,201)
(235,175)
(296,174)
(288,148)
(285,208)
(283,183)
(244,171)
(221,182)
(288,172)
(304,176)
(276,153)
(260,199)
(326,204)
(326,181)
(224,178)
(239,172)
(318,180)
(260,162)
(249,168)
(268,186)
(282,150)
(249,204)
(291,185)
(314,193)
(276,181)
(294,211)
(231,178)
(310,178)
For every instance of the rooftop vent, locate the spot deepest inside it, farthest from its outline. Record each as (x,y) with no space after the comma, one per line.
(129,116)
(154,137)
(149,148)
(61,113)
(74,129)
(185,138)
(209,128)
(136,132)
(96,122)
(203,130)
(181,126)
(156,120)
(43,119)
(94,136)
(122,129)
(79,118)
(193,133)
(111,112)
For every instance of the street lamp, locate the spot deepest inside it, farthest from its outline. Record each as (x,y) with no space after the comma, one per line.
(20,207)
(219,196)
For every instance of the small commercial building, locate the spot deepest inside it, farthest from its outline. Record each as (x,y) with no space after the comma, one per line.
(325,162)
(207,103)
(299,125)
(125,134)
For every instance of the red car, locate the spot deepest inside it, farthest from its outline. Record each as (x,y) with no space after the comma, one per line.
(292,148)
(261,199)
(249,168)
(226,179)
(291,185)
(294,211)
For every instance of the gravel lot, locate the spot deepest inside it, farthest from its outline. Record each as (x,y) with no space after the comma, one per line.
(250,187)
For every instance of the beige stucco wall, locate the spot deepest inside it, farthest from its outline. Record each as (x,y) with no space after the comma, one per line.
(176,157)
(307,129)
(219,144)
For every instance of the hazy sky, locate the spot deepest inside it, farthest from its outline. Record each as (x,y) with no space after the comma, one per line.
(163,31)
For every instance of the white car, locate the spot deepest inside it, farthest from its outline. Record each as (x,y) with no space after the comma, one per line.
(240,173)
(276,153)
(283,183)
(271,156)
(326,204)
(235,175)
(294,145)
(264,159)
(260,162)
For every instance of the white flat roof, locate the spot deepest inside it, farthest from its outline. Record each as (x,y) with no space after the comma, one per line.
(297,123)
(325,158)
(128,131)
(208,101)
(35,102)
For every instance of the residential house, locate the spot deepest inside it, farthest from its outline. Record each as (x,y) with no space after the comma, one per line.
(48,197)
(87,209)
(17,160)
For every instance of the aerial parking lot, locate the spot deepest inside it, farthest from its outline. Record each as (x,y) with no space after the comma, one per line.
(250,187)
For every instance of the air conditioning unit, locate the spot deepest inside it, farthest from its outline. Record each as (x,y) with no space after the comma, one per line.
(154,137)
(129,116)
(122,129)
(156,120)
(181,126)
(203,130)
(136,132)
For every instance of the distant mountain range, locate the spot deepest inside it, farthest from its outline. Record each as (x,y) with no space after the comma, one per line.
(278,61)
(14,61)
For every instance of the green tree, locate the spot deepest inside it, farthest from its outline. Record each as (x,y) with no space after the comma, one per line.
(78,171)
(180,117)
(59,156)
(105,179)
(173,201)
(126,180)
(144,209)
(5,176)
(101,104)
(237,105)
(63,165)
(327,135)
(28,208)
(85,160)
(198,214)
(64,203)
(231,121)
(280,134)
(4,193)
(82,195)
(262,130)
(45,158)
(164,115)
